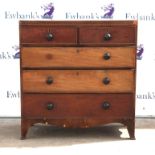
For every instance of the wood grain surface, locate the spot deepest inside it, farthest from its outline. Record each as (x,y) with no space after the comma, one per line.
(78,81)
(67,57)
(78,106)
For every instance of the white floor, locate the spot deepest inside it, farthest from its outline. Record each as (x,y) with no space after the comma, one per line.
(104,141)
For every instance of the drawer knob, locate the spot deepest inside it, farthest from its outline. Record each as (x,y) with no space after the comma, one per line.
(106,80)
(106,56)
(50,106)
(50,36)
(49,80)
(107,36)
(105,105)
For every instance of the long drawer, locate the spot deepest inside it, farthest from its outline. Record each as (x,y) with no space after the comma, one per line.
(78,81)
(60,57)
(77,105)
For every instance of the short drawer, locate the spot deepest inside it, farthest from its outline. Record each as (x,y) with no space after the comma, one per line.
(78,105)
(48,35)
(115,35)
(68,57)
(78,81)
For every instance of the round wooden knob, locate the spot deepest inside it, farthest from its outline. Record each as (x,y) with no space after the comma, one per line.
(106,80)
(50,106)
(105,105)
(106,56)
(49,80)
(50,36)
(107,36)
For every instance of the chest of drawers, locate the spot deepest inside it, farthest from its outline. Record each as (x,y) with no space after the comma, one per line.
(78,74)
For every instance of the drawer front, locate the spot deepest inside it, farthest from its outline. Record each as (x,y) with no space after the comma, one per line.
(115,35)
(97,57)
(48,35)
(78,81)
(78,105)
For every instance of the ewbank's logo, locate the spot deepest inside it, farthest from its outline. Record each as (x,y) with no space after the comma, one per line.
(48,11)
(11,53)
(108,11)
(104,12)
(140,51)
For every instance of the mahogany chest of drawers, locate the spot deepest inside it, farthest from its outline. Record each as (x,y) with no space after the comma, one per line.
(78,74)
